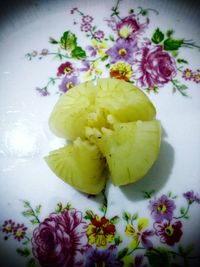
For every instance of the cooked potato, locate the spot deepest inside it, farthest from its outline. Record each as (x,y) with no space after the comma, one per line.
(79,164)
(123,101)
(112,119)
(70,114)
(130,149)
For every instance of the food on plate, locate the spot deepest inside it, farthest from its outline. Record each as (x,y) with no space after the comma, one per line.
(130,149)
(124,101)
(109,125)
(70,114)
(89,105)
(81,165)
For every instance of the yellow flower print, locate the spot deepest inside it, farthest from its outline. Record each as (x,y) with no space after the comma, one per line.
(93,71)
(100,231)
(100,47)
(142,224)
(121,70)
(139,234)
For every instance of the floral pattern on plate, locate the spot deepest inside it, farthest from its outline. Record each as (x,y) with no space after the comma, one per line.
(69,237)
(128,53)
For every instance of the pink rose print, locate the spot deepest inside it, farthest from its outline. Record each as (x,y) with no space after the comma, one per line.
(155,67)
(59,240)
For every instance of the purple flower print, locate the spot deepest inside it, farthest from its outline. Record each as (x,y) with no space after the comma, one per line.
(86,27)
(86,65)
(98,35)
(96,257)
(92,50)
(192,197)
(155,67)
(196,76)
(19,231)
(42,91)
(169,233)
(67,83)
(72,11)
(112,23)
(8,226)
(87,19)
(122,51)
(60,240)
(144,238)
(162,208)
(187,74)
(44,52)
(129,27)
(138,261)
(139,234)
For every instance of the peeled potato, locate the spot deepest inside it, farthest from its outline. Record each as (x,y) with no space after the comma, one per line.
(70,114)
(89,105)
(130,149)
(123,101)
(81,165)
(113,121)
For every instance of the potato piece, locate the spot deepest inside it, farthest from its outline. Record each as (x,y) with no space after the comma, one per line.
(70,114)
(130,149)
(124,101)
(79,164)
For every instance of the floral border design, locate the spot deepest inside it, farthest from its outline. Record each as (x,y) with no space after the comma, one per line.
(126,53)
(69,237)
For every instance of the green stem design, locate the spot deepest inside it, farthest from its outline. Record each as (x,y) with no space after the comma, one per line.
(30,212)
(145,11)
(180,69)
(79,12)
(116,11)
(105,202)
(94,60)
(51,81)
(190,44)
(184,215)
(149,194)
(179,87)
(27,238)
(182,256)
(91,31)
(92,35)
(59,55)
(130,252)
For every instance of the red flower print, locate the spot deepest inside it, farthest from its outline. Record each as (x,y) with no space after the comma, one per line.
(129,27)
(100,231)
(65,69)
(169,233)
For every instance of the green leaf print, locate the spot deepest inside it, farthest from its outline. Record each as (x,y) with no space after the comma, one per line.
(158,36)
(68,41)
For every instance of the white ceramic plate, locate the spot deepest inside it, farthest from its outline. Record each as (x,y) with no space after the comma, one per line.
(44,221)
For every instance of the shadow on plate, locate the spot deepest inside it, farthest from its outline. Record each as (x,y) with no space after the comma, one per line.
(156,178)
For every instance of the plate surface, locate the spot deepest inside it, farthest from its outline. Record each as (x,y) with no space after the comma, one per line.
(47,48)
